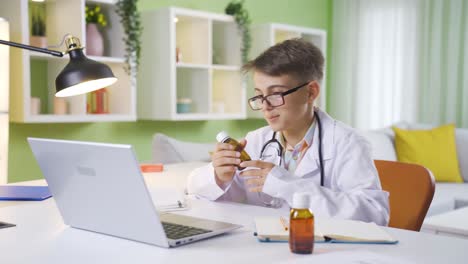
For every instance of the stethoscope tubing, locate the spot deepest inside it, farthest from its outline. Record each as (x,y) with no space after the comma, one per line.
(319,125)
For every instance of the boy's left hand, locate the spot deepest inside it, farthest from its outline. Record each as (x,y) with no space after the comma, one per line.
(257,176)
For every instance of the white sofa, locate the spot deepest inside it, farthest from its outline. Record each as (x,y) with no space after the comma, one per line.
(168,150)
(448,196)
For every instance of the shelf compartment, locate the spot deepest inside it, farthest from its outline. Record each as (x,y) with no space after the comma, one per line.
(39,88)
(112,34)
(228,95)
(192,39)
(119,94)
(60,21)
(282,35)
(34,73)
(226,44)
(193,84)
(164,81)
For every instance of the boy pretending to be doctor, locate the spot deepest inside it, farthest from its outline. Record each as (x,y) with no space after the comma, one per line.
(302,149)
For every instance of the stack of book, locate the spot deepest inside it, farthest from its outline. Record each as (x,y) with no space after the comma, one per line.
(98,102)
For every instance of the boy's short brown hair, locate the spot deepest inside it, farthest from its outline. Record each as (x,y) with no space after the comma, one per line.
(296,57)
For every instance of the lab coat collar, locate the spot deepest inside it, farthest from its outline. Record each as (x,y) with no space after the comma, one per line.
(311,160)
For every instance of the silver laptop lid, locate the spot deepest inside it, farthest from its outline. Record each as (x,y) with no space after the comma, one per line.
(85,177)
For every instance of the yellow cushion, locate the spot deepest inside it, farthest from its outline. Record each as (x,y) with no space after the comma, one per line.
(434,149)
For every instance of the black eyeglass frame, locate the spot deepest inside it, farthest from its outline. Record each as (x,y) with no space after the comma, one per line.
(265,98)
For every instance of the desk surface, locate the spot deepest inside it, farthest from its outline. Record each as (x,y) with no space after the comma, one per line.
(454,222)
(41,237)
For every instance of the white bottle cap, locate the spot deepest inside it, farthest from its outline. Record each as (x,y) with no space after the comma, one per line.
(301,200)
(222,136)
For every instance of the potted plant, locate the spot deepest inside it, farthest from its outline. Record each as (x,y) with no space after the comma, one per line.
(241,15)
(38,32)
(94,40)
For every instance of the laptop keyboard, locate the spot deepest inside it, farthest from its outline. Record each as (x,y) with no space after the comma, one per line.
(175,231)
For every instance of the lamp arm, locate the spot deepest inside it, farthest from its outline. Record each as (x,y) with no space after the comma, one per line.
(42,50)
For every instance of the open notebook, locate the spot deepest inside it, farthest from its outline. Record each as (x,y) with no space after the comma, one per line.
(168,199)
(271,229)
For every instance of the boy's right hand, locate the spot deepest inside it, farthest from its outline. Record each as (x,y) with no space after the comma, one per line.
(225,161)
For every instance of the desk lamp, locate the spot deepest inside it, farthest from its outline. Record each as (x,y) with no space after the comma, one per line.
(81,75)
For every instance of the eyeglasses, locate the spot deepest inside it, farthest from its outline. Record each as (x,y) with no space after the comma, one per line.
(273,100)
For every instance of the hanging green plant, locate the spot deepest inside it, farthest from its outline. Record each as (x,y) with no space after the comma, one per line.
(38,15)
(38,26)
(130,19)
(235,8)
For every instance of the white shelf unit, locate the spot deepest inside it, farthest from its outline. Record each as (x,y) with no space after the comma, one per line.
(208,71)
(267,35)
(64,17)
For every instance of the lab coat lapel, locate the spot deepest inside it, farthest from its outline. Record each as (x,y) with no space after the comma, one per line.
(311,161)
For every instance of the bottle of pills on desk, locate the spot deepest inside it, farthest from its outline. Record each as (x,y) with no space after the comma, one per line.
(301,225)
(223,137)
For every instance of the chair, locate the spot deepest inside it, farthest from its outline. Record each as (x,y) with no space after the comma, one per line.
(168,150)
(411,189)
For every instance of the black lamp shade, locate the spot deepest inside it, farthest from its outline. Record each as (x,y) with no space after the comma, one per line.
(82,75)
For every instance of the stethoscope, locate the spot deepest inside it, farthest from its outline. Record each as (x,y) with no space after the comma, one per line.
(273,140)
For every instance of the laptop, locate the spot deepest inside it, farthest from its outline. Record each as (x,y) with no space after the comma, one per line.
(99,187)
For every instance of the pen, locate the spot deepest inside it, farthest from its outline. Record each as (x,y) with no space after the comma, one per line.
(284,223)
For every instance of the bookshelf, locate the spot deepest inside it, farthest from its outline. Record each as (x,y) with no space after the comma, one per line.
(33,74)
(191,56)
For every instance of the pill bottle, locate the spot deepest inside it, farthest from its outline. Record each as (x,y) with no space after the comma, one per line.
(301,225)
(223,137)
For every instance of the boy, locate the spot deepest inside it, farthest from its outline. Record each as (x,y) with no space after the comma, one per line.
(301,150)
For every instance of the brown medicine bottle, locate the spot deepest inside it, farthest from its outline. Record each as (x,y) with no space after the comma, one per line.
(301,225)
(223,137)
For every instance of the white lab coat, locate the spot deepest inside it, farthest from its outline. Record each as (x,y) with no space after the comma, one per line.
(352,187)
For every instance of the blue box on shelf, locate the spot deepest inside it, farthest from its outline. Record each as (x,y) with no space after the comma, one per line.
(184,105)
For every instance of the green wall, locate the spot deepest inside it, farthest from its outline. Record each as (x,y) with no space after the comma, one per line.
(22,165)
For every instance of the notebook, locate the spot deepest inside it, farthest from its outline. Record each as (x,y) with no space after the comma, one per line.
(272,229)
(169,199)
(24,193)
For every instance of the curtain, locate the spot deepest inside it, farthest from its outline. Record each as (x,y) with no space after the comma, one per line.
(444,62)
(399,60)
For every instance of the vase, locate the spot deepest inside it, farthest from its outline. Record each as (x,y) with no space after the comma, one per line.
(35,105)
(94,40)
(60,106)
(38,41)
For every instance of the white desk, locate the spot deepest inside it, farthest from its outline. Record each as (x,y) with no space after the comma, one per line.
(453,223)
(41,237)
